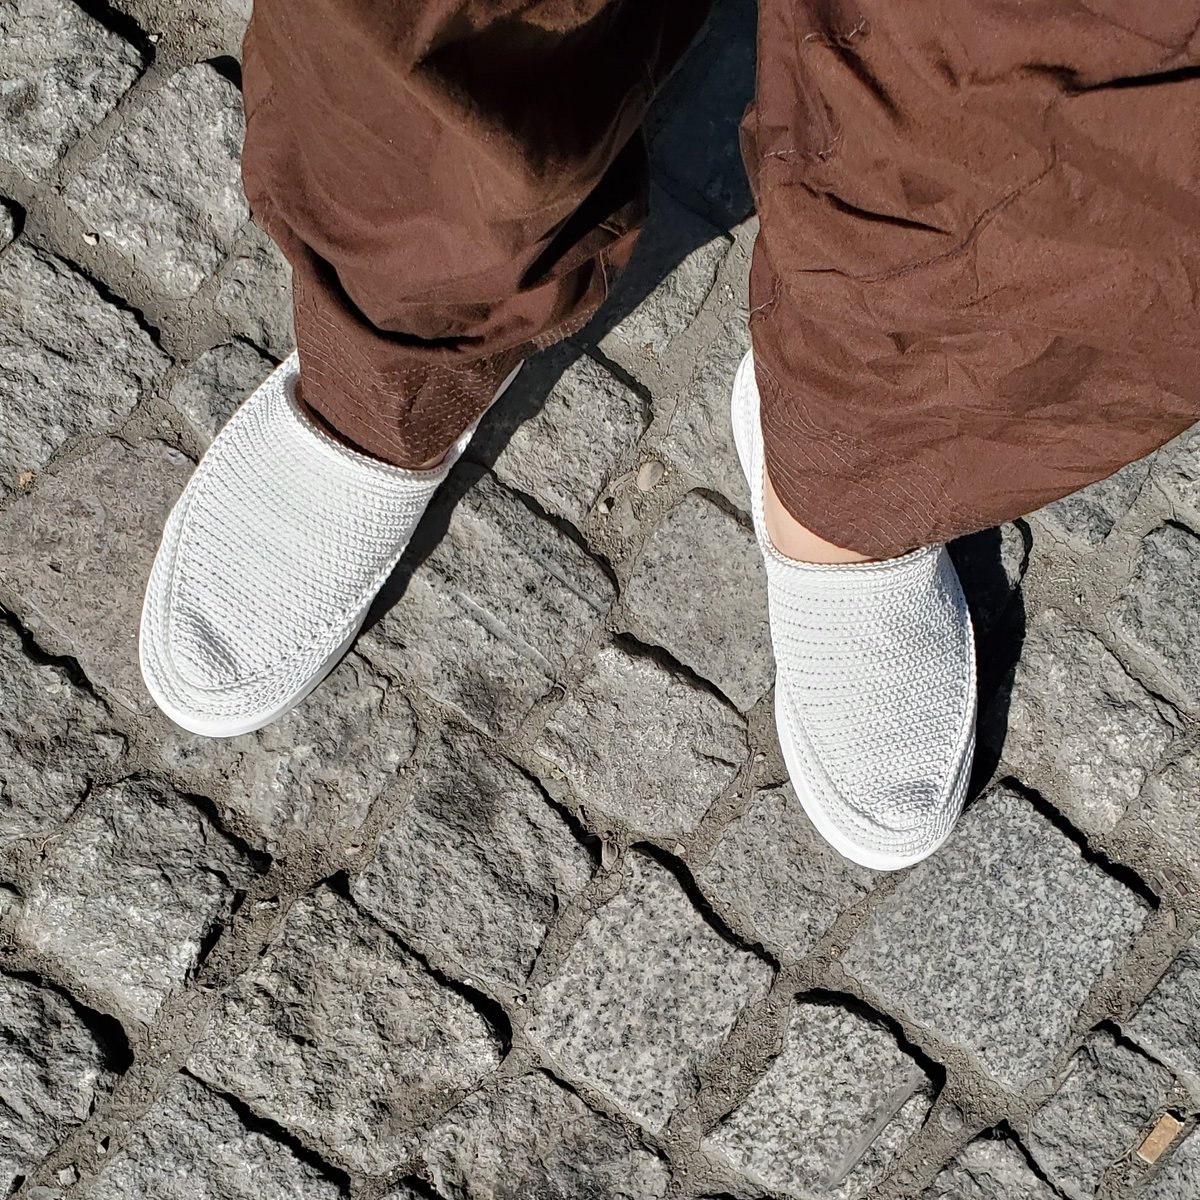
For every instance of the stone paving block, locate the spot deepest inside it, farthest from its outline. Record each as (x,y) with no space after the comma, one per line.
(77,551)
(530,1139)
(339,1034)
(1080,729)
(783,879)
(490,618)
(694,132)
(1179,1178)
(662,291)
(255,293)
(568,450)
(1087,517)
(61,74)
(54,738)
(71,363)
(477,866)
(193,1145)
(128,893)
(316,770)
(643,743)
(170,205)
(1177,472)
(998,940)
(1168,1023)
(989,1169)
(212,387)
(1159,613)
(700,437)
(1170,807)
(1094,1118)
(52,1071)
(832,1113)
(648,993)
(699,590)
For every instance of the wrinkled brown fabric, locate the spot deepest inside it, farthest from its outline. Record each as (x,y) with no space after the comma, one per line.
(453,181)
(976,284)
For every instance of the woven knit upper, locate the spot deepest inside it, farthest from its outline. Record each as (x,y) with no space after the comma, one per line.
(269,562)
(875,683)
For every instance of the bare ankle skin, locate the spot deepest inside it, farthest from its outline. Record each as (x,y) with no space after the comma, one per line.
(793,540)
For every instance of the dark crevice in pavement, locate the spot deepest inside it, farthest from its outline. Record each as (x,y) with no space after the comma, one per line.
(260,860)
(636,648)
(491,1010)
(123,25)
(108,1033)
(228,68)
(276,1133)
(116,300)
(1118,871)
(66,663)
(851,1003)
(687,881)
(1005,1133)
(623,377)
(726,505)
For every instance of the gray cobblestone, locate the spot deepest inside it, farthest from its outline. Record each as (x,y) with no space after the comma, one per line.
(170,205)
(128,893)
(71,363)
(193,1145)
(1109,1094)
(646,995)
(54,739)
(531,1139)
(959,947)
(989,1169)
(699,591)
(1169,801)
(1168,1023)
(212,387)
(700,437)
(674,268)
(317,769)
(62,73)
(491,617)
(1159,613)
(782,879)
(1179,1178)
(1177,472)
(1088,517)
(52,1069)
(255,293)
(834,1110)
(566,452)
(340,1034)
(644,744)
(1081,730)
(477,866)
(78,548)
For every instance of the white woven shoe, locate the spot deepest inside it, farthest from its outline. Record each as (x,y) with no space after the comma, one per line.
(269,562)
(875,691)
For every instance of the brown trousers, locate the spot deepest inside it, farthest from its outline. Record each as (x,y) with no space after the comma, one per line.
(976,286)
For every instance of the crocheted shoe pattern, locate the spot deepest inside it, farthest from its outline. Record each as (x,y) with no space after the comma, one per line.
(875,691)
(269,562)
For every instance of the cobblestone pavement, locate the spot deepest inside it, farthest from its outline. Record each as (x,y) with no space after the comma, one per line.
(520,906)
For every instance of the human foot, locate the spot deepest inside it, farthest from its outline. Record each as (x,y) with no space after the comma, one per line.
(875,690)
(269,562)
